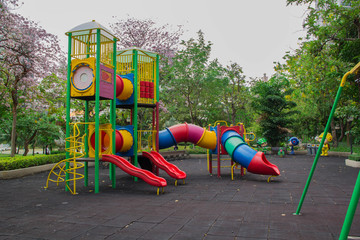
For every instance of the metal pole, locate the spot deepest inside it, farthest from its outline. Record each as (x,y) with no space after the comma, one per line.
(68,92)
(86,167)
(318,152)
(351,210)
(113,120)
(135,111)
(342,84)
(97,106)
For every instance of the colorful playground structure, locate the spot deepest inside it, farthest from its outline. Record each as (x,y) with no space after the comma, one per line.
(129,80)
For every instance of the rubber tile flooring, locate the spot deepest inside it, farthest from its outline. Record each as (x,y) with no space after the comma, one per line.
(206,207)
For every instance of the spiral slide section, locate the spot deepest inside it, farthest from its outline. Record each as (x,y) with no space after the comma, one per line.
(127,167)
(240,152)
(172,170)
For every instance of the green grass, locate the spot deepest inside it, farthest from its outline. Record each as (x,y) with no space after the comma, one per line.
(343,147)
(189,149)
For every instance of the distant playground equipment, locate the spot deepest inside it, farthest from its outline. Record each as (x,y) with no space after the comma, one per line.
(325,148)
(293,141)
(261,145)
(129,78)
(281,152)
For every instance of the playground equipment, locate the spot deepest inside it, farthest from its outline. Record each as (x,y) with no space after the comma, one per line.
(356,193)
(220,140)
(293,141)
(325,148)
(129,79)
(261,145)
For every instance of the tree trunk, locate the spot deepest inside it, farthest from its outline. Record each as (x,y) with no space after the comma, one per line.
(333,133)
(342,131)
(348,128)
(14,99)
(13,131)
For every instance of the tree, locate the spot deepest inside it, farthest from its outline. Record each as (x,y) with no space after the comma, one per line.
(332,47)
(146,34)
(193,89)
(275,110)
(236,95)
(28,53)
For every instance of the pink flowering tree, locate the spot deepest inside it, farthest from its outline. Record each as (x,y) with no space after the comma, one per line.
(148,35)
(28,54)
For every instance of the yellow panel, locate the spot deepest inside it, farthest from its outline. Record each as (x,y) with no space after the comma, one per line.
(105,143)
(82,87)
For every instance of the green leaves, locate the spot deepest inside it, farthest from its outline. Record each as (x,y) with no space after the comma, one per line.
(273,107)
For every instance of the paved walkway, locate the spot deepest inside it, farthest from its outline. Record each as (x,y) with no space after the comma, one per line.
(206,207)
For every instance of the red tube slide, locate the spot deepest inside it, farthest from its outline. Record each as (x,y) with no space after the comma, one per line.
(127,167)
(172,170)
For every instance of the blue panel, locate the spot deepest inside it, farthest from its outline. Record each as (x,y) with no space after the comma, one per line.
(129,128)
(130,100)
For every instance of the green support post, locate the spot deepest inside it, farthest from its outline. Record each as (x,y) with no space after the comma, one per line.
(157,102)
(68,92)
(351,210)
(342,84)
(97,103)
(319,151)
(86,165)
(135,111)
(113,120)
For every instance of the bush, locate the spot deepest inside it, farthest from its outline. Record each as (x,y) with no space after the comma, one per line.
(355,157)
(17,162)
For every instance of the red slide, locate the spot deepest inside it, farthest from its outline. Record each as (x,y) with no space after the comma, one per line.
(127,167)
(169,168)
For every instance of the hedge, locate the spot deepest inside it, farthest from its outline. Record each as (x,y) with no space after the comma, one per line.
(8,163)
(354,156)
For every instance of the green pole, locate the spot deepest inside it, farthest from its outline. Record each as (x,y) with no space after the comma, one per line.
(135,112)
(319,151)
(68,92)
(97,103)
(113,119)
(342,84)
(351,210)
(157,78)
(86,167)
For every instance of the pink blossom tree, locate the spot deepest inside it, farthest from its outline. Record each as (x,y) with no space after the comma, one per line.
(146,34)
(28,54)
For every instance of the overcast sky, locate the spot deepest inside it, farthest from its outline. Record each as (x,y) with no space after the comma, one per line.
(253,33)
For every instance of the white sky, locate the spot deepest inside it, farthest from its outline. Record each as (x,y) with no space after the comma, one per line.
(253,33)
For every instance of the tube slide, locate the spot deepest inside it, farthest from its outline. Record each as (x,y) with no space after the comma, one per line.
(234,144)
(127,167)
(187,133)
(172,170)
(240,152)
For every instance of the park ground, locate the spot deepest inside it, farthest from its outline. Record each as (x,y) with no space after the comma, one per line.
(206,207)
